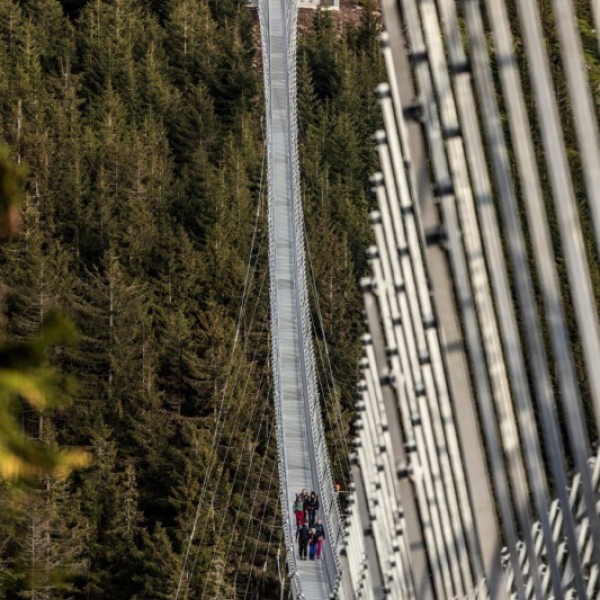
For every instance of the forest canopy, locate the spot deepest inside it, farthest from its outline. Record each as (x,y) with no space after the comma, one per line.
(140,124)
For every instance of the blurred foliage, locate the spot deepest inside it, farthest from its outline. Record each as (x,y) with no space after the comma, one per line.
(25,375)
(141,123)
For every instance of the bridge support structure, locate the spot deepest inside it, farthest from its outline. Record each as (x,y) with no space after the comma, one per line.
(303,457)
(484,503)
(460,450)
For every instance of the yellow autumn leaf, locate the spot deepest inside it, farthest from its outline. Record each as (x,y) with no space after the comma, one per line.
(25,385)
(12,467)
(69,460)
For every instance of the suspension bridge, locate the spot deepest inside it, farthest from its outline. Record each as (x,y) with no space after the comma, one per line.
(475,465)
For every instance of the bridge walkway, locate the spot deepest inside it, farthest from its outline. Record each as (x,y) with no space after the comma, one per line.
(293,402)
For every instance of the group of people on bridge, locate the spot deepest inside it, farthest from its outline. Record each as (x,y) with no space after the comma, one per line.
(310,531)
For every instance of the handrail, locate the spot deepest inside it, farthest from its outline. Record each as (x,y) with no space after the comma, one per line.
(282,464)
(320,467)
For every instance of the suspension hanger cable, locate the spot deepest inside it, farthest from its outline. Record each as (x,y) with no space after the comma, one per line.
(273,527)
(228,446)
(243,495)
(261,521)
(336,403)
(245,293)
(331,426)
(245,441)
(211,468)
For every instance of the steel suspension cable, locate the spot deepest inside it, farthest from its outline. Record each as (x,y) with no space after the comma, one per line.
(542,245)
(234,528)
(586,127)
(268,547)
(525,296)
(331,391)
(223,395)
(228,448)
(565,203)
(212,466)
(214,456)
(596,13)
(337,402)
(331,426)
(261,522)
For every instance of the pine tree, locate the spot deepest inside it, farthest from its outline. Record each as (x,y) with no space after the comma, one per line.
(121,543)
(53,538)
(160,567)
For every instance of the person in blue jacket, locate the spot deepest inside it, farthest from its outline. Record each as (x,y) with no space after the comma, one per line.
(313,543)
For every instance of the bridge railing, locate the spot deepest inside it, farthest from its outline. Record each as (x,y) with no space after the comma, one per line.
(281,454)
(324,481)
(329,500)
(494,364)
(322,478)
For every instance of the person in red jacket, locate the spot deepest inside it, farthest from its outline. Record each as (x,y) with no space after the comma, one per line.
(299,510)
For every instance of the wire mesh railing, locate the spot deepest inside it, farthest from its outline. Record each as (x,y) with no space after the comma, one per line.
(317,458)
(472,331)
(275,346)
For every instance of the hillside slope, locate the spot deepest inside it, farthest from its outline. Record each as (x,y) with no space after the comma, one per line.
(140,123)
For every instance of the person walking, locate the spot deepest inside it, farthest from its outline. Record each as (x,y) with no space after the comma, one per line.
(303,537)
(313,543)
(299,511)
(312,504)
(316,507)
(320,534)
(304,497)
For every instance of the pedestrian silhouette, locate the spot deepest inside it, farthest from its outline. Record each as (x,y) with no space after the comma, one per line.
(303,537)
(320,534)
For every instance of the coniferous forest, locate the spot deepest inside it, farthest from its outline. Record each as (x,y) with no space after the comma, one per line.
(140,126)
